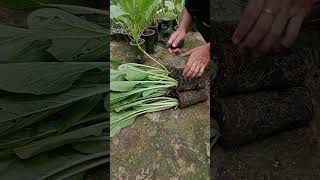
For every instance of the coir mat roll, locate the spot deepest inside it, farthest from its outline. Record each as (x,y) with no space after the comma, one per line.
(249,117)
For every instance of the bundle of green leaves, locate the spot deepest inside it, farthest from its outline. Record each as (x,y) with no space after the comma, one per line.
(134,16)
(53,87)
(137,89)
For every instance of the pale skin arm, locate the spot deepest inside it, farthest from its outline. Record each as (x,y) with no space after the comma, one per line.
(199,57)
(184,27)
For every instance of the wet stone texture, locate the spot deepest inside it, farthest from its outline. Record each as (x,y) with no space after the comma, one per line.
(290,155)
(166,145)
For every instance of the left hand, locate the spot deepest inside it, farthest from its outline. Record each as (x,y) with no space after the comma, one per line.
(199,58)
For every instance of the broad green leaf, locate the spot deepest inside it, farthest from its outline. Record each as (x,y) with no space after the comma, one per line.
(53,142)
(68,173)
(102,117)
(117,127)
(116,75)
(81,50)
(59,24)
(115,12)
(42,78)
(26,135)
(91,147)
(19,5)
(35,168)
(21,45)
(149,92)
(169,16)
(157,93)
(77,10)
(128,100)
(72,115)
(63,170)
(116,62)
(132,75)
(16,106)
(127,106)
(122,86)
(94,77)
(73,38)
(118,116)
(20,123)
(179,7)
(169,5)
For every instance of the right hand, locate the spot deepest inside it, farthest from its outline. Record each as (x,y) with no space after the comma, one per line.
(175,39)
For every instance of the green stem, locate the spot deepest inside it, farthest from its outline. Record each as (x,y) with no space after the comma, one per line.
(151,57)
(146,110)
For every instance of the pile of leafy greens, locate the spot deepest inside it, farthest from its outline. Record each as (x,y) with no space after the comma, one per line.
(137,89)
(54,80)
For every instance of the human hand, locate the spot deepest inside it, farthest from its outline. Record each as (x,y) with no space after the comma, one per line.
(175,39)
(270,24)
(199,58)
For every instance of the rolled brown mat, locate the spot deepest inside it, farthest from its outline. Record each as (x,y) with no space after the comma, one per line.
(189,98)
(186,84)
(237,74)
(225,17)
(249,117)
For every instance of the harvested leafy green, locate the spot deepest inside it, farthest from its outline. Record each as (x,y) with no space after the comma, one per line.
(37,77)
(137,89)
(53,84)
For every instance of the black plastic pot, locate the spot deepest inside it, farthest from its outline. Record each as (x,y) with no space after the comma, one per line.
(135,55)
(148,36)
(160,22)
(166,25)
(119,35)
(156,34)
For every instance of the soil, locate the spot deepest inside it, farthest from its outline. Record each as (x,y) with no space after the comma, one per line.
(289,155)
(192,97)
(184,84)
(171,144)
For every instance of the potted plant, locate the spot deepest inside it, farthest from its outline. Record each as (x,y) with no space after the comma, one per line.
(178,9)
(168,17)
(172,12)
(134,17)
(148,36)
(155,26)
